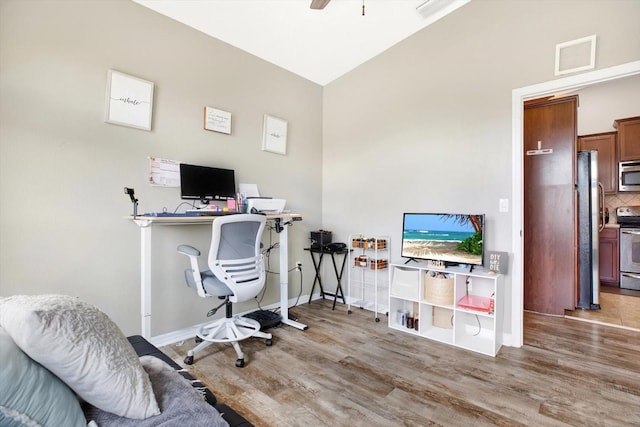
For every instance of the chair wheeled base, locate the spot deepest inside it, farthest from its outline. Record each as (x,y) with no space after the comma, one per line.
(228,330)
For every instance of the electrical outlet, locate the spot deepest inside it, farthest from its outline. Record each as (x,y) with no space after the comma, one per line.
(298,265)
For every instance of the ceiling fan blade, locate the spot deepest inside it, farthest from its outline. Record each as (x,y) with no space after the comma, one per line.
(319,4)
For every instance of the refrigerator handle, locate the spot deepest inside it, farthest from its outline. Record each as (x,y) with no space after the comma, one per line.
(601,206)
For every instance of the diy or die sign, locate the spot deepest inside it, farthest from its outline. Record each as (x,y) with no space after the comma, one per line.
(217,120)
(274,138)
(498,262)
(129,100)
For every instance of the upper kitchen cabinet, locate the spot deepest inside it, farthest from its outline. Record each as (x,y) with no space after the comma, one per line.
(605,144)
(628,138)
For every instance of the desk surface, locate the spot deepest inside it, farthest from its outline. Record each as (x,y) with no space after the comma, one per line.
(144,221)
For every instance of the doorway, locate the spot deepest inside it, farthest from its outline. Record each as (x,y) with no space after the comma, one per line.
(518,97)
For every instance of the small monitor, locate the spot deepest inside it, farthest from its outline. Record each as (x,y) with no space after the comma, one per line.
(205,183)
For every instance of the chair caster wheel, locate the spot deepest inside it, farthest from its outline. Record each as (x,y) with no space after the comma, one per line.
(377,319)
(349,312)
(188,360)
(198,340)
(269,342)
(240,363)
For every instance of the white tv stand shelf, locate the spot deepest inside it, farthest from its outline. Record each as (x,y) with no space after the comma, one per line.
(436,302)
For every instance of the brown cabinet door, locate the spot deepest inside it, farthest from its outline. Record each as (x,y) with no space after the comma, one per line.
(629,138)
(605,144)
(550,257)
(610,257)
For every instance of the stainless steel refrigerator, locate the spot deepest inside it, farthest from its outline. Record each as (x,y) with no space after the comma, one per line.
(590,208)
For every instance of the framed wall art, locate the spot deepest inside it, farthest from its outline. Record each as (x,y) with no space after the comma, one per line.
(274,138)
(217,120)
(129,101)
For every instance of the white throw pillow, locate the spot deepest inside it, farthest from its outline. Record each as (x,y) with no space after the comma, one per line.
(84,348)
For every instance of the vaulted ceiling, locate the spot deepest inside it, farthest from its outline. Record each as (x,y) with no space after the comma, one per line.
(319,45)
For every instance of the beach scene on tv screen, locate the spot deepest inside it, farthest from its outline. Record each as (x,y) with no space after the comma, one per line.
(443,237)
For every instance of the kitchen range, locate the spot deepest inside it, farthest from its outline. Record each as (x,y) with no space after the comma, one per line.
(629,220)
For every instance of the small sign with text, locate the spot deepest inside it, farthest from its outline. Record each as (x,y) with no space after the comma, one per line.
(498,262)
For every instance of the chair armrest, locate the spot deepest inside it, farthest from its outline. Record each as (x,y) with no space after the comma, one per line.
(188,250)
(193,274)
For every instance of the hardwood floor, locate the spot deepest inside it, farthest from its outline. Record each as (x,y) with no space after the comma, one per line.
(350,370)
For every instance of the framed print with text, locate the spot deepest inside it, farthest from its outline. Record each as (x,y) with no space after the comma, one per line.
(129,101)
(274,138)
(217,120)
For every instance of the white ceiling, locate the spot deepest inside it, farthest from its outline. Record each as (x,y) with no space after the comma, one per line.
(319,45)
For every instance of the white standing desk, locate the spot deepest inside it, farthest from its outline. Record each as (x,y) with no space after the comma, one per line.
(147,223)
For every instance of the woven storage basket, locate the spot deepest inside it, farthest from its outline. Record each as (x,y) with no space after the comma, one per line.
(438,290)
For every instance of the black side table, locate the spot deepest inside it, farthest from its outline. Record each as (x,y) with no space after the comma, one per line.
(318,279)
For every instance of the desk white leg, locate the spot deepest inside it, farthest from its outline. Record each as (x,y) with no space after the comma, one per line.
(145,280)
(284,280)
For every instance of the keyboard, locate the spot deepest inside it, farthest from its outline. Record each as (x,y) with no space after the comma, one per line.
(189,213)
(170,214)
(205,212)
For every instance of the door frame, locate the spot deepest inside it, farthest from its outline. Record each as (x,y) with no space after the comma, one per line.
(518,96)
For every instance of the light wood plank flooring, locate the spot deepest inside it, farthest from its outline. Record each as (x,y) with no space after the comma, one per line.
(616,309)
(349,370)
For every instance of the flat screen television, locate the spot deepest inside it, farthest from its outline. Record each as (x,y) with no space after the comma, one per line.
(205,183)
(451,238)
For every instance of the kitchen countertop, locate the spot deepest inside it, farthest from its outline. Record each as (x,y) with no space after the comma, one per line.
(612,225)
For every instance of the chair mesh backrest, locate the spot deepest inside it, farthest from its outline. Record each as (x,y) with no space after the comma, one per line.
(235,257)
(238,240)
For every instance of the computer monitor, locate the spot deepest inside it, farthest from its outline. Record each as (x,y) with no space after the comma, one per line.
(206,183)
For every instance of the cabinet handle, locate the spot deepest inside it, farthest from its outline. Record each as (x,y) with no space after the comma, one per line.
(635,233)
(634,276)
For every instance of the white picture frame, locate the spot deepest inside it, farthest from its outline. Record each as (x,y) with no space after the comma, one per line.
(274,138)
(129,101)
(217,120)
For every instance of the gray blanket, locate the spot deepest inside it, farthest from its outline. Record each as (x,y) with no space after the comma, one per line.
(180,403)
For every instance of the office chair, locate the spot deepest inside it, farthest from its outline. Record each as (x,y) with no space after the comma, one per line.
(236,273)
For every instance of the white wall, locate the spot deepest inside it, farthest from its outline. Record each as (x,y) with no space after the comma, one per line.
(62,169)
(426,125)
(601,104)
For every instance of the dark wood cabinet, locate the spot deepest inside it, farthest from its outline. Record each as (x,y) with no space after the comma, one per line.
(610,257)
(628,138)
(605,144)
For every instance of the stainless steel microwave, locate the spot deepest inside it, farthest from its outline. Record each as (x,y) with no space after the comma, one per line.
(629,176)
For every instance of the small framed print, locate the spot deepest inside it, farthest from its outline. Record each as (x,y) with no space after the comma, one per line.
(129,101)
(274,138)
(217,120)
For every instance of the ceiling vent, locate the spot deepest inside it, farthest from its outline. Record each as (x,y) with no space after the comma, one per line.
(436,9)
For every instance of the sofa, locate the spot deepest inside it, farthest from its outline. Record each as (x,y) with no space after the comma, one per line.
(65,363)
(145,348)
